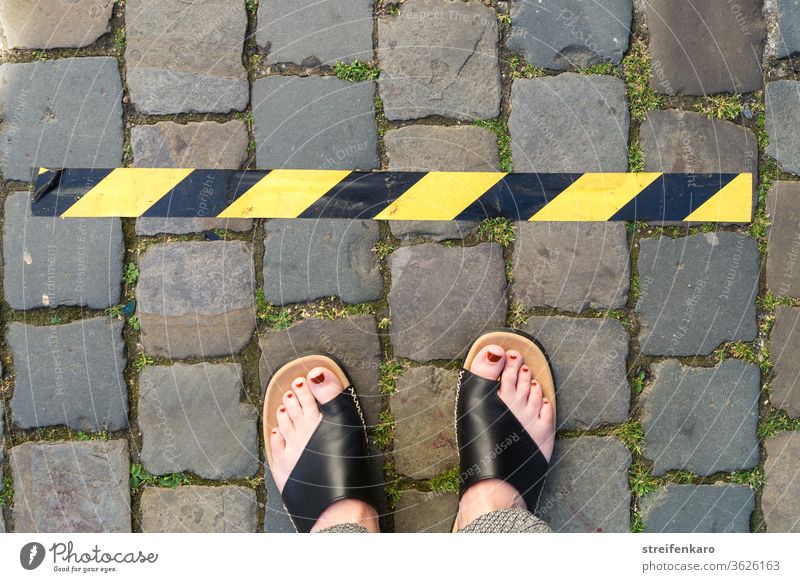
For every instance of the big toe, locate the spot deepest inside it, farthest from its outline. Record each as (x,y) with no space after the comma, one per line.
(324,384)
(489,362)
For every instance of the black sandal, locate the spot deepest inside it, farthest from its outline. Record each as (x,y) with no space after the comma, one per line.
(334,464)
(492,443)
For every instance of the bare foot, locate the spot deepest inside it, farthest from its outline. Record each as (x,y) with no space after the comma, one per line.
(298,417)
(523,396)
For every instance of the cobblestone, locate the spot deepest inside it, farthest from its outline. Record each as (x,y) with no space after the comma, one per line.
(571,266)
(784,345)
(71,487)
(169,66)
(293,123)
(783,248)
(199,509)
(701,420)
(63,23)
(432,512)
(696,292)
(438,317)
(587,489)
(196,299)
(780,500)
(559,34)
(782,99)
(731,40)
(569,123)
(439,59)
(425,438)
(698,509)
(42,126)
(306,260)
(69,374)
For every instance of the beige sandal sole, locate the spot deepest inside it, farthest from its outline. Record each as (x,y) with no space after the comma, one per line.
(281,382)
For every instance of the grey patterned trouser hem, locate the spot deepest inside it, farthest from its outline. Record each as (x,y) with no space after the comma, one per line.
(514,520)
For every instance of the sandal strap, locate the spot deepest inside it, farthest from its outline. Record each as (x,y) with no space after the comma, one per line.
(492,443)
(333,466)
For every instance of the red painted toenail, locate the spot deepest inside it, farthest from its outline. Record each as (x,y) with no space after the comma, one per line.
(299,384)
(534,382)
(545,400)
(289,395)
(274,431)
(512,356)
(282,409)
(526,369)
(319,379)
(493,357)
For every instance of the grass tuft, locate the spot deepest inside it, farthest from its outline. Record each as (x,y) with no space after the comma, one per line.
(727,107)
(598,69)
(390,371)
(120,41)
(267,313)
(499,230)
(631,434)
(635,157)
(140,476)
(775,422)
(641,481)
(500,129)
(753,478)
(636,71)
(384,432)
(356,71)
(520,69)
(447,482)
(637,523)
(383,249)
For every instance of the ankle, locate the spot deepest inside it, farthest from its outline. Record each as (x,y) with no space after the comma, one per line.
(485,497)
(348,511)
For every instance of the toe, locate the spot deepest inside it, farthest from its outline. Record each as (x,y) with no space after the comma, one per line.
(524,383)
(304,395)
(508,382)
(535,397)
(324,384)
(292,406)
(489,362)
(276,441)
(285,424)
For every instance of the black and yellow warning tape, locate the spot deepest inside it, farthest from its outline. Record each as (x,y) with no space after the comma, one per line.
(161,192)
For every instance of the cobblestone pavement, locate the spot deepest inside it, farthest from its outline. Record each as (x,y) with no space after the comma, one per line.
(134,352)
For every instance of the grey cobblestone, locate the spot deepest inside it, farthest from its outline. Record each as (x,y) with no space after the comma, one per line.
(784,345)
(196,299)
(783,247)
(696,292)
(51,263)
(782,100)
(425,438)
(569,123)
(571,266)
(192,419)
(69,375)
(731,40)
(71,23)
(780,500)
(199,509)
(311,259)
(701,419)
(45,126)
(439,59)
(169,66)
(698,509)
(71,487)
(559,34)
(310,33)
(293,123)
(587,487)
(430,512)
(438,317)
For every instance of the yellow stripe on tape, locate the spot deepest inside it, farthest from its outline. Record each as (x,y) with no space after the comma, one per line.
(284,193)
(595,197)
(127,192)
(440,195)
(733,203)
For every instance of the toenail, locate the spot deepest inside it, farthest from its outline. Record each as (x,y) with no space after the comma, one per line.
(534,382)
(299,384)
(493,357)
(319,379)
(512,356)
(526,369)
(545,400)
(274,431)
(282,409)
(288,395)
